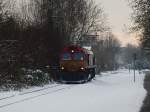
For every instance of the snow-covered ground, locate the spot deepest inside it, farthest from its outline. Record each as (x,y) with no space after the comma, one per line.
(110,92)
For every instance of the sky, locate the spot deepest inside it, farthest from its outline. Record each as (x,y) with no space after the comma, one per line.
(119,18)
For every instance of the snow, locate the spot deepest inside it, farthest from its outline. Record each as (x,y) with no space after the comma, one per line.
(109,92)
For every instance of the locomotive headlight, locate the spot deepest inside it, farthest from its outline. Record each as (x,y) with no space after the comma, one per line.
(62,68)
(72,51)
(82,68)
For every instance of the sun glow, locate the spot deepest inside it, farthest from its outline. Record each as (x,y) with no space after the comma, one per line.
(128,38)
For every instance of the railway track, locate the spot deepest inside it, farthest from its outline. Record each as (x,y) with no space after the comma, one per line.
(7,101)
(28,92)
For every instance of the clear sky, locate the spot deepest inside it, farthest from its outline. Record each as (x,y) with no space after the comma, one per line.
(118,13)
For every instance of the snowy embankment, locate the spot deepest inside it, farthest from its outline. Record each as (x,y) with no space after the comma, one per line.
(110,92)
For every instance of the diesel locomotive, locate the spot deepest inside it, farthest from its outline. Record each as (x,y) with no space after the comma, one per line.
(76,64)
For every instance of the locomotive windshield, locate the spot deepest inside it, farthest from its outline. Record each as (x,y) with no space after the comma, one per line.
(78,56)
(66,56)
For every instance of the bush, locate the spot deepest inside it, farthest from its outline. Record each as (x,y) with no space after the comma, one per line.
(35,77)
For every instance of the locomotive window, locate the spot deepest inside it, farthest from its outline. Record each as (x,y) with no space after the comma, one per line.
(66,56)
(78,56)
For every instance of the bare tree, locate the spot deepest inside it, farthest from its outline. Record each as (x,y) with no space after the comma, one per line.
(106,51)
(141,17)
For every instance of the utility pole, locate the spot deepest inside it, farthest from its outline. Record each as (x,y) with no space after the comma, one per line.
(134,59)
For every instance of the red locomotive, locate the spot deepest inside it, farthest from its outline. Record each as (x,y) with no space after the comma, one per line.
(77,64)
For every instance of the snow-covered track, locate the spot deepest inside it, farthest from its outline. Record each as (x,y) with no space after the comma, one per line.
(28,92)
(37,90)
(3,98)
(32,95)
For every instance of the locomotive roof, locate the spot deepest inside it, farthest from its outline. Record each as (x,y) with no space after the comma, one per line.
(77,49)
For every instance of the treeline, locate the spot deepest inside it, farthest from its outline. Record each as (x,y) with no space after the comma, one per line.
(107,51)
(141,17)
(132,53)
(32,36)
(48,27)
